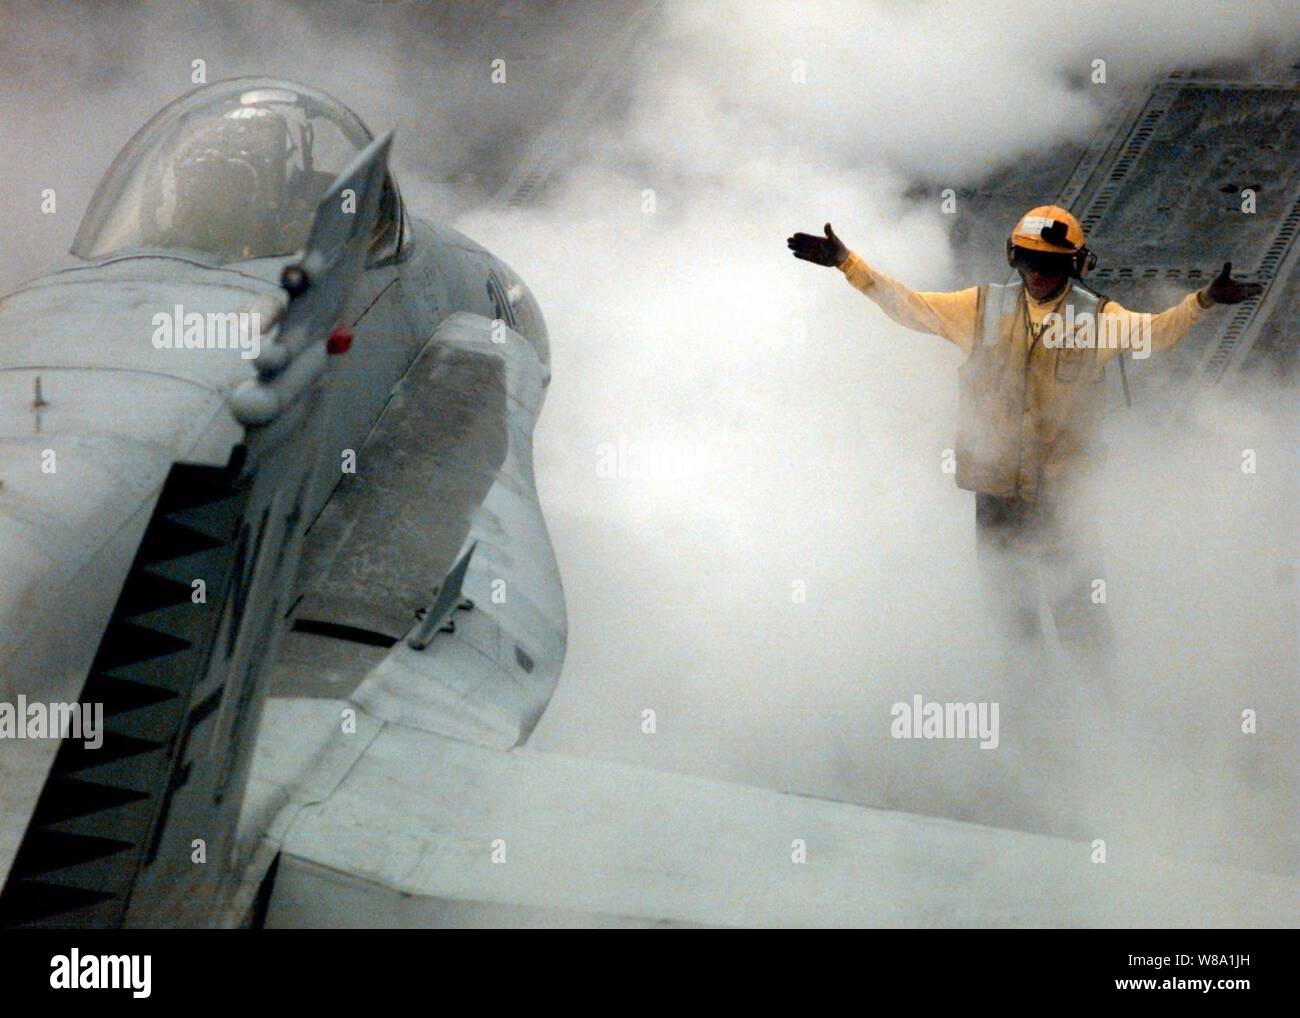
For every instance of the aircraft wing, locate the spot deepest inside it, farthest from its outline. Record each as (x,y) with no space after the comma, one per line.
(394,826)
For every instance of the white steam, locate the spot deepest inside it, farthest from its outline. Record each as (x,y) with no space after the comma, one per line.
(771,432)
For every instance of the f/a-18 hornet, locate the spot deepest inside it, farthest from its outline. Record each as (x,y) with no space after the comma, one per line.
(263,400)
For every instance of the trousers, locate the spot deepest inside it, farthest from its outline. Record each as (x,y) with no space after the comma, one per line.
(1030,551)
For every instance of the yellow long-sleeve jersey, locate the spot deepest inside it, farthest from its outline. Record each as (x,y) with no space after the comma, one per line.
(952,315)
(1030,412)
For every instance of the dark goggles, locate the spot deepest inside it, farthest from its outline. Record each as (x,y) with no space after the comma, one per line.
(1045,263)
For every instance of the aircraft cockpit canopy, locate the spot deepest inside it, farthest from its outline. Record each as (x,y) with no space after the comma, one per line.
(233,171)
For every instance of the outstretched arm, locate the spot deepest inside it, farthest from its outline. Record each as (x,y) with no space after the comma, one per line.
(1169,326)
(950,315)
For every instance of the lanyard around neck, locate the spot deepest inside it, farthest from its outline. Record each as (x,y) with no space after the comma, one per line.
(1036,333)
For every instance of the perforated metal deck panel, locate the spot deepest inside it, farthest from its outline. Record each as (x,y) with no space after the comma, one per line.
(1158,189)
(1170,207)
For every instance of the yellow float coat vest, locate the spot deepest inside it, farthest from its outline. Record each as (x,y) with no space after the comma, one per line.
(1029,416)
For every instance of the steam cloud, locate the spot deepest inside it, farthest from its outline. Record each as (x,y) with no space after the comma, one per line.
(768,426)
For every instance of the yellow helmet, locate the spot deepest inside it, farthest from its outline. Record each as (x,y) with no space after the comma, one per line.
(1052,229)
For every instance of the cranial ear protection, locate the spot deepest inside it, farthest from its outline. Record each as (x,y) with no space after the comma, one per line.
(1082,261)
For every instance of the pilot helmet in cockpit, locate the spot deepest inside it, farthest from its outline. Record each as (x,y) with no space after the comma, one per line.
(229,187)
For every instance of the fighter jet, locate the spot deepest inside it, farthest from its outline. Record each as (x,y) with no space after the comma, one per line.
(280,610)
(256,342)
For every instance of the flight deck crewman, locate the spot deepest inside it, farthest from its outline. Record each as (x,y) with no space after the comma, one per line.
(1029,411)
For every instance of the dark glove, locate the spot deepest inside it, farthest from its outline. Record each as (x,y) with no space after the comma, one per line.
(828,250)
(1226,290)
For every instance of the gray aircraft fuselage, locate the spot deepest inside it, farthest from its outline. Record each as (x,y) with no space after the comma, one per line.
(127,484)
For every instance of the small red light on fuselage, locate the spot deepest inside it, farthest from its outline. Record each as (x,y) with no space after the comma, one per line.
(340,340)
